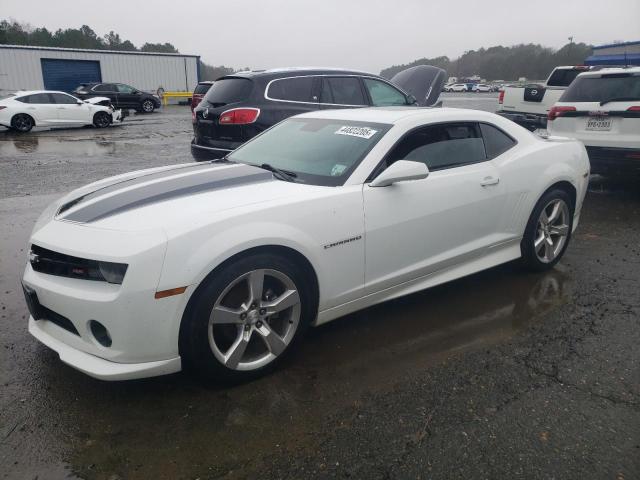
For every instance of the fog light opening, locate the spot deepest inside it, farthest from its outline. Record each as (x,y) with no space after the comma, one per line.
(100,333)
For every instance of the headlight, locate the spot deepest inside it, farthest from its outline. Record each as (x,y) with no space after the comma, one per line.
(112,272)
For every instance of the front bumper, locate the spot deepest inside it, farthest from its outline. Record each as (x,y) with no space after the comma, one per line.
(97,367)
(530,121)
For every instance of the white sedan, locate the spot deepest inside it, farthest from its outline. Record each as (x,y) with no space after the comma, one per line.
(24,110)
(222,266)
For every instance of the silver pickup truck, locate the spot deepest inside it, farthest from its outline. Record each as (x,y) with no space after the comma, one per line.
(529,105)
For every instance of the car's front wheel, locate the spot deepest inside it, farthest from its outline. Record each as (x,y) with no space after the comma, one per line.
(147,106)
(22,123)
(245,318)
(102,120)
(548,231)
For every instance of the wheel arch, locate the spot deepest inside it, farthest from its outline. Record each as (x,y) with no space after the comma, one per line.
(35,124)
(281,250)
(567,187)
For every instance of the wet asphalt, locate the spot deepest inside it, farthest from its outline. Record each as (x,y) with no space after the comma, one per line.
(503,374)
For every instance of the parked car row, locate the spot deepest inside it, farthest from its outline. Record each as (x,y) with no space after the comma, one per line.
(121,95)
(470,87)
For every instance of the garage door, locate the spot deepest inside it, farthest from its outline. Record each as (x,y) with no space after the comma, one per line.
(66,75)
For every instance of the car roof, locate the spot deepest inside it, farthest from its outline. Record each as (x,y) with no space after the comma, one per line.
(21,93)
(605,71)
(297,71)
(393,115)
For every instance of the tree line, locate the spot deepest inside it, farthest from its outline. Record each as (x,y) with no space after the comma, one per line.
(532,61)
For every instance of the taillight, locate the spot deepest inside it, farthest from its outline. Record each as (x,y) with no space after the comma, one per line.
(556,112)
(635,108)
(239,116)
(2,107)
(501,97)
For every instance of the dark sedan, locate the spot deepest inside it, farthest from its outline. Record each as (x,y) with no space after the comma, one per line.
(121,95)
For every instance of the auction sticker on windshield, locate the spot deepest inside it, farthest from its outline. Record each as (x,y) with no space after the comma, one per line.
(361,132)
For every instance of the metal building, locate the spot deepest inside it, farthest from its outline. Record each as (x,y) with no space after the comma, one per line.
(627,53)
(36,68)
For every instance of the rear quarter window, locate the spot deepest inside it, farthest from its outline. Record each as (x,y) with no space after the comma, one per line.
(496,142)
(229,90)
(291,89)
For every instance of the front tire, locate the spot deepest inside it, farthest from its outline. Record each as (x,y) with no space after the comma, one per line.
(147,106)
(22,123)
(245,318)
(102,120)
(548,231)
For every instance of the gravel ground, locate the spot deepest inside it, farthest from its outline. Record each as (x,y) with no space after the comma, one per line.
(504,374)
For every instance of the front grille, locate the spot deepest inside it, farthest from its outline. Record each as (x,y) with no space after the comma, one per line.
(62,322)
(53,263)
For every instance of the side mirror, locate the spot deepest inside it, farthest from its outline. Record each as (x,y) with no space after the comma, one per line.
(401,171)
(79,102)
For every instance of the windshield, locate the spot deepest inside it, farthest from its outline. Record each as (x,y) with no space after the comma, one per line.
(228,90)
(317,151)
(603,89)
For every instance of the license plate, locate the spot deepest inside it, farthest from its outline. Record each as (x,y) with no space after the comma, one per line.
(602,124)
(33,304)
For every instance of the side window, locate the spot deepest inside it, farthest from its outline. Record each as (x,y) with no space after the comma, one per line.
(105,87)
(39,98)
(125,88)
(61,98)
(292,89)
(441,146)
(382,94)
(342,91)
(496,142)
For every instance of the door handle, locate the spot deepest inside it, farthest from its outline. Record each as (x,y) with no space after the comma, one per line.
(488,181)
(61,108)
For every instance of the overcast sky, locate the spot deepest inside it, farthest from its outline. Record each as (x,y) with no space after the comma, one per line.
(363,34)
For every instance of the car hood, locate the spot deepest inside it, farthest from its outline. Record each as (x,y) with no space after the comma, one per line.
(184,194)
(424,82)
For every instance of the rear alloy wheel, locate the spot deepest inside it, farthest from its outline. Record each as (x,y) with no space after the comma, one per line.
(22,122)
(246,318)
(548,231)
(148,106)
(102,120)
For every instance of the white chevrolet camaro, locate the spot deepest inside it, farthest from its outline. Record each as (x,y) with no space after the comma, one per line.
(222,266)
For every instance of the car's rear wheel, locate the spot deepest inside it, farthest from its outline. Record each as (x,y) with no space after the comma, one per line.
(548,231)
(245,318)
(147,106)
(22,122)
(101,120)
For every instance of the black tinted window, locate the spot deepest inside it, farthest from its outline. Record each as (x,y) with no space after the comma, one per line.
(441,146)
(602,89)
(294,89)
(229,90)
(342,91)
(61,98)
(125,88)
(36,98)
(496,142)
(563,78)
(105,87)
(202,88)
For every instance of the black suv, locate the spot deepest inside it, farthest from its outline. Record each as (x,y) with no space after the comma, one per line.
(238,107)
(121,95)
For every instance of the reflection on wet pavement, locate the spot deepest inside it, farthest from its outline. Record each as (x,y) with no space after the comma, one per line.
(176,426)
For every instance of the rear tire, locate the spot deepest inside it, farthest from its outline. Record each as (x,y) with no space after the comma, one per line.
(102,120)
(225,316)
(548,231)
(22,123)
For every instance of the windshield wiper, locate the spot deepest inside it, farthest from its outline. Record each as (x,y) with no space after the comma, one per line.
(619,99)
(282,174)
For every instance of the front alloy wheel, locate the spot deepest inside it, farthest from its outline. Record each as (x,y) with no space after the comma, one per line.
(254,319)
(148,106)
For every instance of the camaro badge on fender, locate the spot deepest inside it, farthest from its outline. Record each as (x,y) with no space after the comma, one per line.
(342,242)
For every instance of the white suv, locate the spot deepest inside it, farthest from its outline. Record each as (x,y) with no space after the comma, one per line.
(602,110)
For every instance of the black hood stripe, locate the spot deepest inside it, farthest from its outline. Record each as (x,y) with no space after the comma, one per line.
(143,178)
(211,179)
